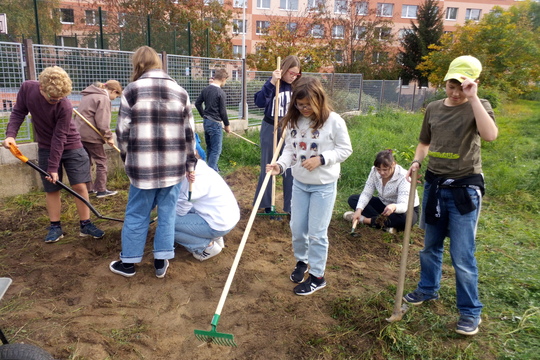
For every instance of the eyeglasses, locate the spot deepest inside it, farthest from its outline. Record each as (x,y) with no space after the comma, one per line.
(303,107)
(294,74)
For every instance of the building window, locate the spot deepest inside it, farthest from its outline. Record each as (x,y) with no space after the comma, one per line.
(340,7)
(404,32)
(358,55)
(292,27)
(121,19)
(380,57)
(315,5)
(338,31)
(239,26)
(385,9)
(383,33)
(207,2)
(338,56)
(359,33)
(262,27)
(70,41)
(237,50)
(240,3)
(409,11)
(472,14)
(451,13)
(362,8)
(90,17)
(288,4)
(263,4)
(317,31)
(66,16)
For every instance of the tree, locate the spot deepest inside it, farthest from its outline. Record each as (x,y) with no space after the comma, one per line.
(207,19)
(416,41)
(22,22)
(505,41)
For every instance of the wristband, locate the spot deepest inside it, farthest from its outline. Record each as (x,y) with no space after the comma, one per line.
(418,162)
(322,160)
(281,171)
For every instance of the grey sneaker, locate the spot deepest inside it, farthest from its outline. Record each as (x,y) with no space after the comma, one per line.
(417,298)
(299,271)
(91,230)
(348,215)
(102,194)
(160,273)
(55,233)
(468,325)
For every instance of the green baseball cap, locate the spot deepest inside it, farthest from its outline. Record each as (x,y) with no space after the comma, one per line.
(466,65)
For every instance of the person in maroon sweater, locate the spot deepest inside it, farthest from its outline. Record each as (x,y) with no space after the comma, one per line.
(59,144)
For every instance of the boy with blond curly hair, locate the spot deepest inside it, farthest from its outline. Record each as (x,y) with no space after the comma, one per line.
(59,145)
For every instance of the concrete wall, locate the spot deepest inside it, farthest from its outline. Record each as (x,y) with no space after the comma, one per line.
(18,178)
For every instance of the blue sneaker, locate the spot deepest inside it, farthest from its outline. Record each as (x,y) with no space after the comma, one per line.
(91,230)
(468,325)
(417,298)
(55,233)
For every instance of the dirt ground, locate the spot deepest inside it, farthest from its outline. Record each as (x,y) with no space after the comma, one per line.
(65,299)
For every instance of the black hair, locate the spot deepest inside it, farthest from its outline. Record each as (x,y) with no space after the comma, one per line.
(384,158)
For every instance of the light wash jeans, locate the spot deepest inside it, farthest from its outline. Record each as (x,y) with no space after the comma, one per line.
(137,220)
(312,211)
(213,135)
(461,229)
(193,232)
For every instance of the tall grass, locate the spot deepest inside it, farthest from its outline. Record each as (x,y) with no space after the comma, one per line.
(507,248)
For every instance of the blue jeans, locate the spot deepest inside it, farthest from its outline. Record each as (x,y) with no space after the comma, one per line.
(312,211)
(213,135)
(137,220)
(193,232)
(461,229)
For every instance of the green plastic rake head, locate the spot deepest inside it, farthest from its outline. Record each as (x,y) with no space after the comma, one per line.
(273,213)
(214,337)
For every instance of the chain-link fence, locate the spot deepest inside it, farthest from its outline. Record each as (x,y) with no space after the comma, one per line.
(348,92)
(11,77)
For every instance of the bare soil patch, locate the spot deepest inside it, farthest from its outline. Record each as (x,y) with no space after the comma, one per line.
(65,299)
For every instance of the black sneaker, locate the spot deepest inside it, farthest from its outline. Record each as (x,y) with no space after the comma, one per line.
(118,267)
(311,285)
(300,269)
(91,230)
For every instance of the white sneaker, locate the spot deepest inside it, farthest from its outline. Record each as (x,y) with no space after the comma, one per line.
(220,242)
(390,230)
(208,253)
(348,215)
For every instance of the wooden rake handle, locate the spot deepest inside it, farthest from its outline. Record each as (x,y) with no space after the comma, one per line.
(94,128)
(398,312)
(246,232)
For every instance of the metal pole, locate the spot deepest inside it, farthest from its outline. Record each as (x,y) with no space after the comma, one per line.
(244,32)
(37,22)
(189,37)
(148,31)
(102,43)
(207,42)
(413,96)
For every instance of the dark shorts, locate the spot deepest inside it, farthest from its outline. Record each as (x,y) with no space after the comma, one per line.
(75,162)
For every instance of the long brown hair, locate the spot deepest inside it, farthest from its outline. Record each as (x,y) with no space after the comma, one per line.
(290,62)
(308,88)
(144,59)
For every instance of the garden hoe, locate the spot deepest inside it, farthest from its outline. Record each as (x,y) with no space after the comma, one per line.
(400,310)
(94,128)
(243,138)
(354,223)
(15,151)
(213,336)
(273,214)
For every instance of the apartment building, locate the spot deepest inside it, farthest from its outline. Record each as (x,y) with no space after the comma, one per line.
(249,25)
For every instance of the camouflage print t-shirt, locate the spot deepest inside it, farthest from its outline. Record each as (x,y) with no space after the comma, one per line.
(453,138)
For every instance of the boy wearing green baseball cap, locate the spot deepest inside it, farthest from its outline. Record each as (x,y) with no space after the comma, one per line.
(454,184)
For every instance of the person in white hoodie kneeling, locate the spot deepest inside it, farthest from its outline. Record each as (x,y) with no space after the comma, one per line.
(211,213)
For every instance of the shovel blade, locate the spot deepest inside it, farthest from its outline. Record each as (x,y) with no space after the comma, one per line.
(214,337)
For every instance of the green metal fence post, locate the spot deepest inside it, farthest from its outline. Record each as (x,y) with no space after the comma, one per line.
(189,37)
(37,22)
(102,43)
(148,31)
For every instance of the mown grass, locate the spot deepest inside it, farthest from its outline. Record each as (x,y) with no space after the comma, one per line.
(507,248)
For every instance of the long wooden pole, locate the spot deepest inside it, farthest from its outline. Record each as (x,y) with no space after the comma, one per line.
(276,121)
(94,128)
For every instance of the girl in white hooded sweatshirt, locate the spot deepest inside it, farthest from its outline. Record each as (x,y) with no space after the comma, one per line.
(316,142)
